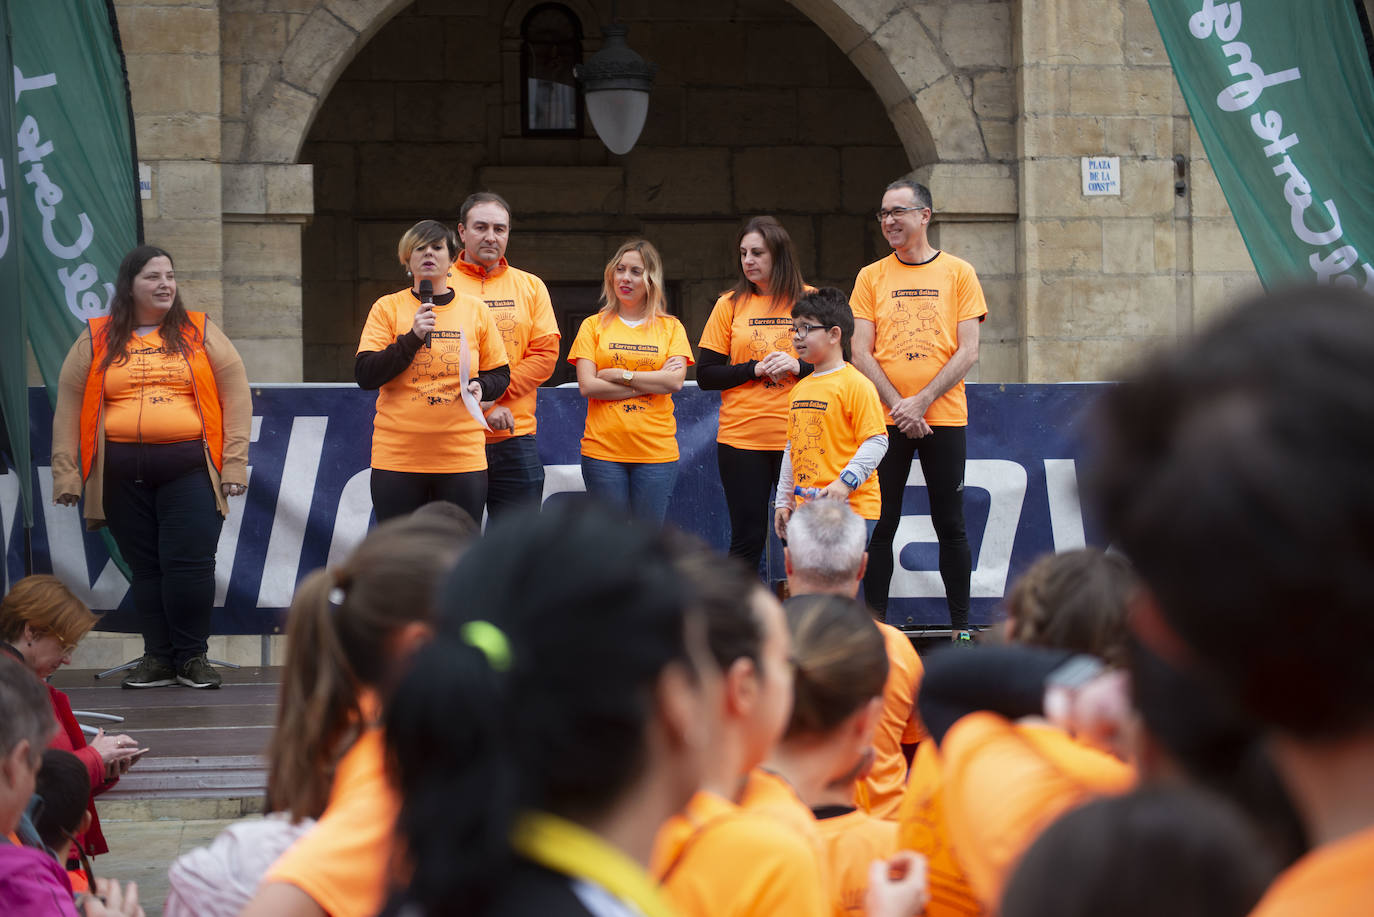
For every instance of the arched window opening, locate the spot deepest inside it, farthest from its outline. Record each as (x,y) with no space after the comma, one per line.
(550,47)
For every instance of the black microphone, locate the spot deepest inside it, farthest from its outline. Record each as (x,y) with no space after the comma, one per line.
(427,295)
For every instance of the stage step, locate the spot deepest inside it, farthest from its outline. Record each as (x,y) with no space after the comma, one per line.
(206,747)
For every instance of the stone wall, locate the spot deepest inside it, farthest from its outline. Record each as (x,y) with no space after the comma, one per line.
(802,108)
(1102,278)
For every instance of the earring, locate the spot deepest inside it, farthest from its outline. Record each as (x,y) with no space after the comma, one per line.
(408,274)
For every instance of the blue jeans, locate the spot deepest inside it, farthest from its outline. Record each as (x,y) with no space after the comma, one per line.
(515,475)
(643,487)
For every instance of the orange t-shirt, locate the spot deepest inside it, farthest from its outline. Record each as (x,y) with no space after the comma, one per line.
(1333,880)
(916,310)
(149,398)
(720,860)
(520,304)
(853,840)
(921,827)
(641,429)
(344,862)
(1005,783)
(769,794)
(421,423)
(752,415)
(880,793)
(831,415)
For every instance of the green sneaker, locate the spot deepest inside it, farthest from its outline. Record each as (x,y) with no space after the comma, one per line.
(149,673)
(963,638)
(197,673)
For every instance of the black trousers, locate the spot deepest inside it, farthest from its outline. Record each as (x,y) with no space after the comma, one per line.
(749,478)
(942,454)
(160,505)
(396,493)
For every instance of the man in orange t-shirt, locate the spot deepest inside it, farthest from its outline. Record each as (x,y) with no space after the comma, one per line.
(1235,473)
(916,318)
(520,305)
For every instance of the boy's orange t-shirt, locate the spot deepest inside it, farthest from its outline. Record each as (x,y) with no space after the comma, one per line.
(830,416)
(344,862)
(916,310)
(921,827)
(880,793)
(150,397)
(721,860)
(421,423)
(853,841)
(637,430)
(1333,880)
(520,305)
(752,415)
(1004,783)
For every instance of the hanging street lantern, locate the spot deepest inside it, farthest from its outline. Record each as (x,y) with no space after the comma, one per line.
(616,83)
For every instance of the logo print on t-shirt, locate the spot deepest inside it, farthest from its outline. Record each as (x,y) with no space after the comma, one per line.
(503,311)
(914,322)
(157,374)
(807,426)
(437,367)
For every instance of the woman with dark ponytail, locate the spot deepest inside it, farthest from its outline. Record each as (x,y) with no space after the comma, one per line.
(554,722)
(828,746)
(349,632)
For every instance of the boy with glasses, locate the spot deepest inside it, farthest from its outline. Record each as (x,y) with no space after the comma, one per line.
(835,431)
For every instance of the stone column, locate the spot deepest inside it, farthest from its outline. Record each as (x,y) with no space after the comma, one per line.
(172,54)
(265,206)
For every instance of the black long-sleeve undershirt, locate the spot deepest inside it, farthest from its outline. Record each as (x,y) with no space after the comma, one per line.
(374,368)
(1007,680)
(715,372)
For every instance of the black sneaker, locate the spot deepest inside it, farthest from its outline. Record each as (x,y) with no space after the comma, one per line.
(197,673)
(962,638)
(150,673)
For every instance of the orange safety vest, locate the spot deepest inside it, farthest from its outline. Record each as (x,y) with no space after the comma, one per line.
(202,383)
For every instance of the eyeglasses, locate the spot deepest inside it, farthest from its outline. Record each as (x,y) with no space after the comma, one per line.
(67,648)
(882,215)
(804,329)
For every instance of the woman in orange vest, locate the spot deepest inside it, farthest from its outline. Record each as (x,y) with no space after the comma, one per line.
(631,357)
(152,422)
(747,355)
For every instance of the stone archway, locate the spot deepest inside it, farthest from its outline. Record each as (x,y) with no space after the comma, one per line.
(888,43)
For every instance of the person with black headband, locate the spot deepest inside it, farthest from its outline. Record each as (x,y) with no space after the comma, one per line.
(434,356)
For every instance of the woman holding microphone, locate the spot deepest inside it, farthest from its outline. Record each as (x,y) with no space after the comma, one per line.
(433,355)
(747,355)
(152,422)
(631,357)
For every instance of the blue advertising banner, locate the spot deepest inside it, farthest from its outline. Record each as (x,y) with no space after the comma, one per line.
(308,501)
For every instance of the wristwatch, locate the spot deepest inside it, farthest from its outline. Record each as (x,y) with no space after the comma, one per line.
(850,479)
(627,377)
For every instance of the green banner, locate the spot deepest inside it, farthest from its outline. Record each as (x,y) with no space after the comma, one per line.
(70,183)
(79,190)
(14,395)
(1282,96)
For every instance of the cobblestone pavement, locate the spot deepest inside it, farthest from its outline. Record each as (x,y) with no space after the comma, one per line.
(141,851)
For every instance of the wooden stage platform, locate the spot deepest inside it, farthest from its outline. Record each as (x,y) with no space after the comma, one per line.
(206,744)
